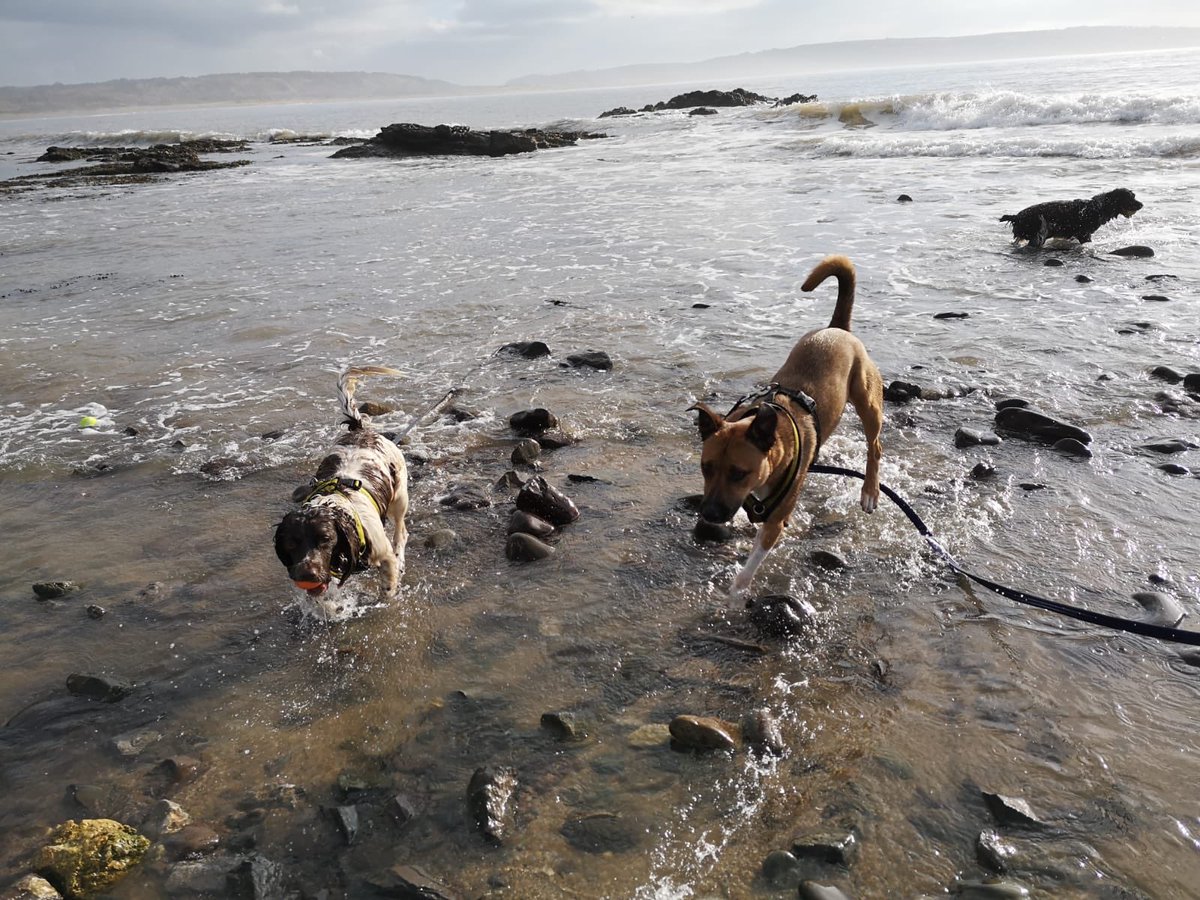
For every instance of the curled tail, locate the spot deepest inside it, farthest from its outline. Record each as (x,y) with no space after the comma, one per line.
(843,269)
(347,382)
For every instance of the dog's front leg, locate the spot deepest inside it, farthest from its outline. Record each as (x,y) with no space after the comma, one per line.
(391,573)
(767,537)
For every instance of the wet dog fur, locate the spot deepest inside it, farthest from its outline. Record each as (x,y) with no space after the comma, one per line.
(1070,218)
(363,481)
(751,451)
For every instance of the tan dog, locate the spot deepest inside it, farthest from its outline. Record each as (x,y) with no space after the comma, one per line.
(757,456)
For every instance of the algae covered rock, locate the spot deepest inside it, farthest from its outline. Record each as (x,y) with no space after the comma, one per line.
(89,856)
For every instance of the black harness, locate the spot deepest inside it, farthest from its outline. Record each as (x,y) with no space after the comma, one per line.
(760,510)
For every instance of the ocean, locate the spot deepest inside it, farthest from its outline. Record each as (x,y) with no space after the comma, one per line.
(201,320)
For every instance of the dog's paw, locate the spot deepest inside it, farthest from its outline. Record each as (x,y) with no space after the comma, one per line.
(870,502)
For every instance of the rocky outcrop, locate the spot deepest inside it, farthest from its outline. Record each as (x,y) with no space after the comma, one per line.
(736,97)
(407,139)
(90,856)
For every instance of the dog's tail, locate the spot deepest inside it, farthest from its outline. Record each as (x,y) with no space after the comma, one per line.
(1008,218)
(843,269)
(347,382)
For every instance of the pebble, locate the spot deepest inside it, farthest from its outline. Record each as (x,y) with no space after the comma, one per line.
(701,733)
(701,305)
(441,539)
(522,547)
(973,437)
(982,470)
(546,502)
(565,726)
(554,440)
(827,559)
(529,421)
(52,590)
(526,452)
(521,522)
(762,734)
(99,687)
(204,878)
(526,349)
(508,481)
(904,198)
(489,800)
(371,408)
(96,612)
(1163,609)
(132,743)
(993,852)
(902,392)
(1172,445)
(165,818)
(781,870)
(1136,251)
(1083,279)
(257,877)
(1053,261)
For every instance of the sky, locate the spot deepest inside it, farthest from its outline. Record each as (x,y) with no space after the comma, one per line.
(483,42)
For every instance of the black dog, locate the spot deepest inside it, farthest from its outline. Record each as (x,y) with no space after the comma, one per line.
(1070,218)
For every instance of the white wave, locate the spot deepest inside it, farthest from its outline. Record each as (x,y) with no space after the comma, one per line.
(1076,144)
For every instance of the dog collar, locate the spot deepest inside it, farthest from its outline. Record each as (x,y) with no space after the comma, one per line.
(761,510)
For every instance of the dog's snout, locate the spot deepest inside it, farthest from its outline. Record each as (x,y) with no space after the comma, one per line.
(714,510)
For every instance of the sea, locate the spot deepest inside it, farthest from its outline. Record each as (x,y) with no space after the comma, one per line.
(168,361)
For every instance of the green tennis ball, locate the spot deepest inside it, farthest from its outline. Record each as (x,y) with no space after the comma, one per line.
(89,422)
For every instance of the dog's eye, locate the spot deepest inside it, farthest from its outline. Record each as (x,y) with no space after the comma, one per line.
(736,475)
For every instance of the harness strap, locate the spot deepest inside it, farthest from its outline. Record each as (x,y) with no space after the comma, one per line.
(1147,629)
(344,486)
(760,510)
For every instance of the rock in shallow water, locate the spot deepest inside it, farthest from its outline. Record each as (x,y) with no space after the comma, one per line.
(533,421)
(409,882)
(31,887)
(522,547)
(489,801)
(1037,426)
(52,590)
(602,833)
(99,687)
(762,734)
(993,852)
(781,615)
(540,499)
(701,733)
(1010,810)
(90,856)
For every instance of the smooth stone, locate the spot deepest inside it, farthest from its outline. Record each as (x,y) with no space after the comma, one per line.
(952,315)
(1174,469)
(546,502)
(554,440)
(653,735)
(526,349)
(1072,447)
(191,841)
(1167,374)
(565,726)
(522,547)
(410,882)
(1156,298)
(701,305)
(904,198)
(781,615)
(1172,445)
(528,421)
(712,532)
(1083,279)
(1010,810)
(811,890)
(1163,609)
(762,734)
(521,522)
(1137,251)
(371,408)
(90,856)
(96,612)
(1011,403)
(973,437)
(577,478)
(781,870)
(701,733)
(1191,382)
(167,817)
(591,359)
(31,887)
(526,452)
(52,590)
(1031,486)
(1037,426)
(839,849)
(993,852)
(98,687)
(902,392)
(989,890)
(827,559)
(489,800)
(131,743)
(602,833)
(441,539)
(1054,262)
(981,471)
(465,499)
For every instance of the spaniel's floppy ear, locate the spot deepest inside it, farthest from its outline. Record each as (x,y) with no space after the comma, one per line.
(707,421)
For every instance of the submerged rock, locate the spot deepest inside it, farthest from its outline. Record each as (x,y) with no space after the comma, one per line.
(410,882)
(52,590)
(781,870)
(489,801)
(1137,251)
(1035,426)
(565,726)
(702,733)
(521,547)
(1072,447)
(526,452)
(902,392)
(712,532)
(839,849)
(762,734)
(99,687)
(781,615)
(527,349)
(989,890)
(90,856)
(257,878)
(602,833)
(993,852)
(539,498)
(590,359)
(31,887)
(1010,810)
(533,421)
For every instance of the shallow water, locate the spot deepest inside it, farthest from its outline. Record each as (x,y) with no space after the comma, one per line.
(207,311)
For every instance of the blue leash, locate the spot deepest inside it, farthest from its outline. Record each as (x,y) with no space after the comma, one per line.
(1162,632)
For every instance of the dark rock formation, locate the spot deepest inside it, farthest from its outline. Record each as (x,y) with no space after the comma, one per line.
(408,139)
(796,98)
(489,800)
(617,111)
(541,499)
(1036,426)
(736,97)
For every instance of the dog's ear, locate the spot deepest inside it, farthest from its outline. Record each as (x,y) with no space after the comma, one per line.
(762,429)
(707,421)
